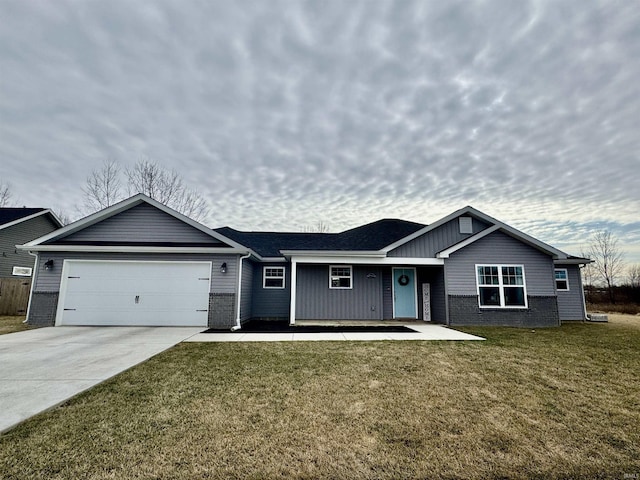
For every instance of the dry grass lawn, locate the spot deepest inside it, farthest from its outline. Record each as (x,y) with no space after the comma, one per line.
(549,403)
(12,324)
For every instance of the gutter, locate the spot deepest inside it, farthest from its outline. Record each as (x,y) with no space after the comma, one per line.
(238,324)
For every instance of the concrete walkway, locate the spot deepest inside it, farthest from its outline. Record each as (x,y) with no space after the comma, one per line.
(424,332)
(42,368)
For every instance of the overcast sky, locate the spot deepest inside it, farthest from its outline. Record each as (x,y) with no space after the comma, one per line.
(286,113)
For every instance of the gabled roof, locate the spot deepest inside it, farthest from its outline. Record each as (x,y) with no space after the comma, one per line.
(496,225)
(39,243)
(13,216)
(370,237)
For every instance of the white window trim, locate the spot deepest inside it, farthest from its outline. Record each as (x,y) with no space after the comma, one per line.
(501,286)
(22,271)
(566,279)
(350,267)
(264,278)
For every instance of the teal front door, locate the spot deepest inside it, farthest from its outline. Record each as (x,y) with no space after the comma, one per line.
(404,293)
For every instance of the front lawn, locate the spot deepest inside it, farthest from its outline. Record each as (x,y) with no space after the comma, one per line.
(550,403)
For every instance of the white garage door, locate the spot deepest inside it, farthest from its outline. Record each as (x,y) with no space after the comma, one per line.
(134,293)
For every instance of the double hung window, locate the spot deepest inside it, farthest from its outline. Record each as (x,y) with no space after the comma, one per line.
(501,286)
(562,279)
(273,277)
(340,276)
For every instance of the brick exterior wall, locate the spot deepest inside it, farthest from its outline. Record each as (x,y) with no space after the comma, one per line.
(221,310)
(542,312)
(42,312)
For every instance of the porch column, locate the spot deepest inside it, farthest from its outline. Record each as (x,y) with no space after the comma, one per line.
(292,302)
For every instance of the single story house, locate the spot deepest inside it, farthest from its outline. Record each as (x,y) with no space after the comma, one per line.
(18,226)
(141,263)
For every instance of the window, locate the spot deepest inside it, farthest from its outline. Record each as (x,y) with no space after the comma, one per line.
(340,276)
(501,286)
(22,271)
(273,277)
(562,279)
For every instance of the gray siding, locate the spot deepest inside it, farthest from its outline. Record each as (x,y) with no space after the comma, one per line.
(49,280)
(17,235)
(571,302)
(271,302)
(427,245)
(315,300)
(246,290)
(142,223)
(499,248)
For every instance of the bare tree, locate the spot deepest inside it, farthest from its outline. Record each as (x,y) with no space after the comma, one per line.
(103,187)
(166,187)
(607,257)
(588,276)
(5,194)
(62,216)
(633,275)
(319,227)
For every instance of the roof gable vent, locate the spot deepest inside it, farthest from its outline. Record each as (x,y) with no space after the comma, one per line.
(466,224)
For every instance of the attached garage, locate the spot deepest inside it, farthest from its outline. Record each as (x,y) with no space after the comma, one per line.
(134,293)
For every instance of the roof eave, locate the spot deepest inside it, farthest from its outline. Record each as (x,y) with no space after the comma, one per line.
(32,216)
(133,249)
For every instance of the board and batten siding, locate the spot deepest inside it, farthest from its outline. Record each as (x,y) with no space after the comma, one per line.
(434,276)
(494,249)
(19,234)
(143,223)
(315,300)
(271,302)
(571,302)
(246,290)
(49,280)
(442,237)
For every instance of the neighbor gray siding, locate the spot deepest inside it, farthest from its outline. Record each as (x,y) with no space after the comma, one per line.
(17,235)
(427,245)
(571,302)
(271,302)
(315,300)
(499,248)
(142,223)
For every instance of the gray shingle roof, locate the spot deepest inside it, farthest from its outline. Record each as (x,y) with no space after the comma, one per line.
(372,236)
(8,215)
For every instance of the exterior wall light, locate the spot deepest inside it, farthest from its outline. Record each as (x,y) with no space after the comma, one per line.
(48,265)
(223,268)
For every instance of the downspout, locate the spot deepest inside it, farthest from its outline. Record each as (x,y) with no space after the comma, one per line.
(238,324)
(33,282)
(584,300)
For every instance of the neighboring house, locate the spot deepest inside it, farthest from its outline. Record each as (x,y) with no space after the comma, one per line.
(141,263)
(18,226)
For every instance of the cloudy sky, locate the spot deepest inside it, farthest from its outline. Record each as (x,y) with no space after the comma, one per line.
(286,113)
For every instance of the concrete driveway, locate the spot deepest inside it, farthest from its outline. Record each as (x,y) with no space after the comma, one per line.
(42,368)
